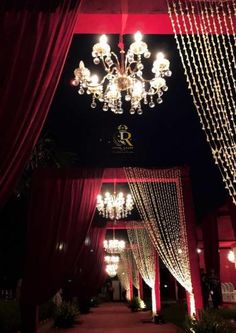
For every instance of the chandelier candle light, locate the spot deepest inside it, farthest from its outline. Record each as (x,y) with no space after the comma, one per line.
(124,77)
(114,206)
(111,269)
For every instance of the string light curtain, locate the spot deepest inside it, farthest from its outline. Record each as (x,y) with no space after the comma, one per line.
(131,265)
(123,276)
(134,270)
(144,255)
(160,204)
(206,40)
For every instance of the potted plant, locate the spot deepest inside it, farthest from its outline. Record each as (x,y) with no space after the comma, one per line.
(134,304)
(65,315)
(208,322)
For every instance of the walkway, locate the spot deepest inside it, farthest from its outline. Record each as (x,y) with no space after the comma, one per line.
(117,318)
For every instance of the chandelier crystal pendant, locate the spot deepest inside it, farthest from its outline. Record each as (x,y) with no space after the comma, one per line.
(114,245)
(112,259)
(111,269)
(124,77)
(113,206)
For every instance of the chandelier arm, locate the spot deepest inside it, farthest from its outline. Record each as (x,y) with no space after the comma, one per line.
(117,59)
(105,65)
(132,71)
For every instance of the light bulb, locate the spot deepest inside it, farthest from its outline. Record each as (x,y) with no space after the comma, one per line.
(138,37)
(160,56)
(137,88)
(103,39)
(94,79)
(231,256)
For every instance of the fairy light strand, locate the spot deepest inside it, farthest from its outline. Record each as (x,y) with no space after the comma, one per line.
(144,255)
(208,58)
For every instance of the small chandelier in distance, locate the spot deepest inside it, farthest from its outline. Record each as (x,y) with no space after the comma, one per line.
(113,259)
(114,206)
(111,270)
(114,245)
(124,77)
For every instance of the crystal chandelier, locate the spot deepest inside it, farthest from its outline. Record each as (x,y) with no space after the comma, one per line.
(112,259)
(113,206)
(124,77)
(111,269)
(114,245)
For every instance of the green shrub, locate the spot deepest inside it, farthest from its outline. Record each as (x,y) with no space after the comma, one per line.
(46,310)
(208,322)
(135,304)
(10,320)
(65,315)
(228,313)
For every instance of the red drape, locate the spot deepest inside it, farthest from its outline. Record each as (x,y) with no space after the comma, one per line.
(35,37)
(61,210)
(91,268)
(232,212)
(211,243)
(192,243)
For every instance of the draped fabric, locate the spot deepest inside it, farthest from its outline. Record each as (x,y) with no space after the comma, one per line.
(127,255)
(35,39)
(144,255)
(61,211)
(123,276)
(232,212)
(90,274)
(160,204)
(127,273)
(134,269)
(206,37)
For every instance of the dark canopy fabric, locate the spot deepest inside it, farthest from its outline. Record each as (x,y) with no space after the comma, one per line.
(34,44)
(61,211)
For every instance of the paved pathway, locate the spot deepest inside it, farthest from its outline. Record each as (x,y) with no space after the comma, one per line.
(117,318)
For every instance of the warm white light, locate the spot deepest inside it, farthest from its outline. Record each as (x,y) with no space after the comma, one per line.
(61,246)
(199,250)
(192,305)
(138,37)
(114,206)
(137,89)
(231,256)
(160,56)
(103,39)
(112,259)
(124,78)
(142,304)
(111,269)
(114,245)
(94,79)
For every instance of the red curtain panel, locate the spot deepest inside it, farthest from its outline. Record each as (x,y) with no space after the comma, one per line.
(90,274)
(62,207)
(35,37)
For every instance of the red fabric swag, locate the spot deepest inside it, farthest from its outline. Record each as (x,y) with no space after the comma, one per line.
(35,40)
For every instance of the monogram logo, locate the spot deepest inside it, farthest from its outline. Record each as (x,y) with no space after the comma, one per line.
(122,140)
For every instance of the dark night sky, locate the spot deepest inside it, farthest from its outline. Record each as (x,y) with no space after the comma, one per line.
(168,135)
